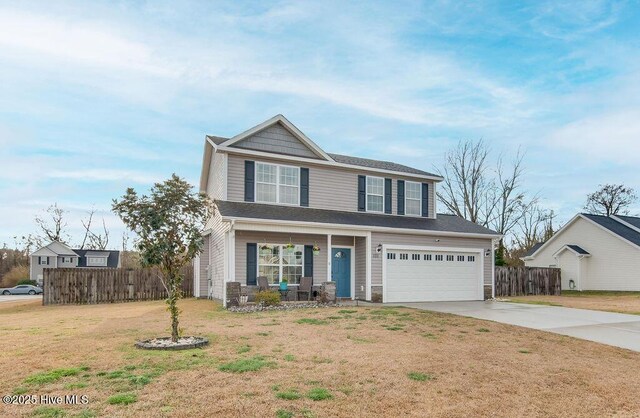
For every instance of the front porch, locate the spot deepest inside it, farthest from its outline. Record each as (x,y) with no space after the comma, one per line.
(339,258)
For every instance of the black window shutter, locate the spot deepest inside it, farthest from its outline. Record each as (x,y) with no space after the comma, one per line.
(387,195)
(400,197)
(304,187)
(252,264)
(308,261)
(249,180)
(362,193)
(425,199)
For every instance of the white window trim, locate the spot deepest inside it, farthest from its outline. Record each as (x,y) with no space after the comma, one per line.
(419,215)
(281,265)
(277,184)
(91,264)
(366,193)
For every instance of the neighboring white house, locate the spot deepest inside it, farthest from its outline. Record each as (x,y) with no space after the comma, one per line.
(59,255)
(594,252)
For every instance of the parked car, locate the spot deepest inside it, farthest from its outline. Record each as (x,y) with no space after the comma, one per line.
(23,289)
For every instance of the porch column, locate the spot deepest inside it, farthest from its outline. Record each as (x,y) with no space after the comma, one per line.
(232,256)
(328,257)
(367,286)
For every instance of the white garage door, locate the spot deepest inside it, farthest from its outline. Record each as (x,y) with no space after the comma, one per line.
(425,276)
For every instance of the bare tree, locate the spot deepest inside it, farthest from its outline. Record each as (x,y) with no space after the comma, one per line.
(466,186)
(536,225)
(507,201)
(52,225)
(611,199)
(91,239)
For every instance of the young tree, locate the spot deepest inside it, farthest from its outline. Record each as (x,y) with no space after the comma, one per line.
(168,224)
(611,199)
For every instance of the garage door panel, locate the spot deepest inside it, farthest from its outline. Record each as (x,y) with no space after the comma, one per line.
(414,280)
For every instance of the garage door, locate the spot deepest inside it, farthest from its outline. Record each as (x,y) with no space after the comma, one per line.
(421,276)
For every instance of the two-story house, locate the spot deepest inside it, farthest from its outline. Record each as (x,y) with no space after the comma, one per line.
(287,209)
(59,255)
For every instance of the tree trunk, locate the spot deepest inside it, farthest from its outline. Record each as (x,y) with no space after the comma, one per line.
(172,301)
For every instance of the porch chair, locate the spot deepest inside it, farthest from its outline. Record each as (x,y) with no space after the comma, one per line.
(305,287)
(263,283)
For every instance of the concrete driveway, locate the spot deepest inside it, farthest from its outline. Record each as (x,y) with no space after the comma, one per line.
(17,298)
(619,330)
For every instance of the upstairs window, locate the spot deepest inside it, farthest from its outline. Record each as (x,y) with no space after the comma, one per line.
(375,194)
(96,261)
(413,198)
(277,184)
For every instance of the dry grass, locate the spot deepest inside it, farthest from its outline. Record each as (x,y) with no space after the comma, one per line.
(622,302)
(372,362)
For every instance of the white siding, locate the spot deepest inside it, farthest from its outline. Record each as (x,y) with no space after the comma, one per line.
(215,273)
(215,183)
(613,265)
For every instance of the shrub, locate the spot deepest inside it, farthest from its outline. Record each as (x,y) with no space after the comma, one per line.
(27,281)
(376,298)
(268,298)
(13,276)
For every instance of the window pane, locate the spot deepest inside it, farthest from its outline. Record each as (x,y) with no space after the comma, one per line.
(289,176)
(271,273)
(271,255)
(412,207)
(292,274)
(412,190)
(289,195)
(375,185)
(266,173)
(294,258)
(375,203)
(265,192)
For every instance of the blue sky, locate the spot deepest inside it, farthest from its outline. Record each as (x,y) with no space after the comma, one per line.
(96,97)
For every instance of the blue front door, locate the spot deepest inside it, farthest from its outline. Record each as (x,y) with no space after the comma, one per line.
(341,271)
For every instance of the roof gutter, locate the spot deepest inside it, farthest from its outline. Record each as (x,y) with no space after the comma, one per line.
(360,227)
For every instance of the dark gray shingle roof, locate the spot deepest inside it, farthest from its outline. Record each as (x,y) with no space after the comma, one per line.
(533,249)
(112,260)
(615,227)
(632,220)
(443,223)
(357,161)
(378,164)
(578,249)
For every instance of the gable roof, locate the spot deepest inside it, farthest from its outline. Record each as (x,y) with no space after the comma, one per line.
(609,223)
(533,249)
(213,143)
(259,211)
(576,249)
(615,227)
(280,119)
(55,248)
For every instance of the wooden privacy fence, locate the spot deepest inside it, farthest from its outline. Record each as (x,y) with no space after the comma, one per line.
(81,285)
(521,281)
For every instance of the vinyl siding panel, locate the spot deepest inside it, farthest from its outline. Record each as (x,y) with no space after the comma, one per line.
(215,184)
(216,258)
(204,267)
(426,241)
(613,265)
(330,188)
(361,267)
(276,139)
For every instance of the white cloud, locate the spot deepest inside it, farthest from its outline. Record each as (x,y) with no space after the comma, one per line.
(613,137)
(91,175)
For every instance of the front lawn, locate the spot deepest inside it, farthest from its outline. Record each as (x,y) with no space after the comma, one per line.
(355,362)
(599,300)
